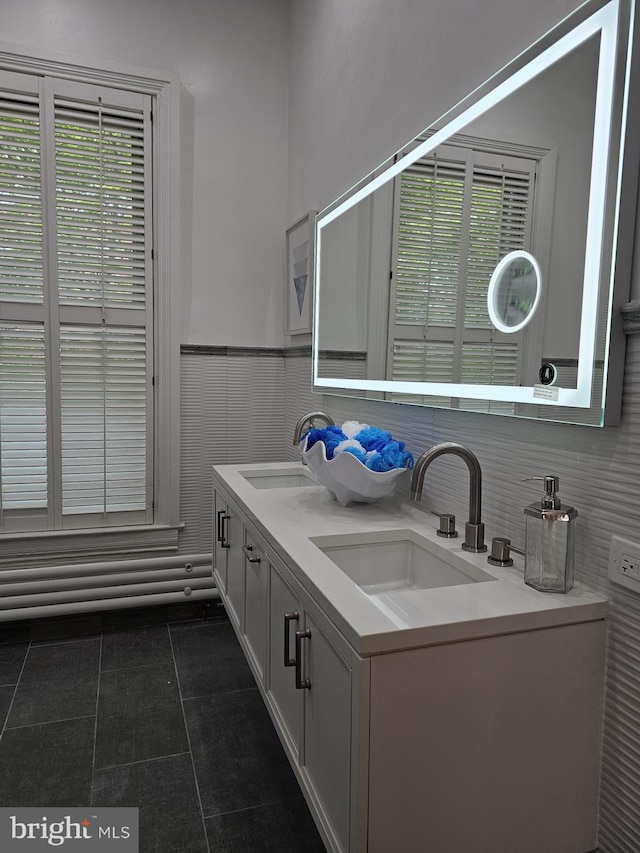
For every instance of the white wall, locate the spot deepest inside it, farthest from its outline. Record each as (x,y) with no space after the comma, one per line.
(367,77)
(231,58)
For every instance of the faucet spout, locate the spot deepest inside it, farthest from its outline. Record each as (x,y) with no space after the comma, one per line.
(308,420)
(474,528)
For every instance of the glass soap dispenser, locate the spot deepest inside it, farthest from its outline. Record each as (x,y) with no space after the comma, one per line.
(550,540)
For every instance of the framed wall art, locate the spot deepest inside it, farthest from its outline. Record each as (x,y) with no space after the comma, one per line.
(299,276)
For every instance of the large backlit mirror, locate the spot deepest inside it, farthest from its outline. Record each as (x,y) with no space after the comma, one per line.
(518,204)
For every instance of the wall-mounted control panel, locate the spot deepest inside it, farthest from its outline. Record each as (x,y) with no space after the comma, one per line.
(624,563)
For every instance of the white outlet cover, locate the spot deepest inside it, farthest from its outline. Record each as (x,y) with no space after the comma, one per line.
(620,546)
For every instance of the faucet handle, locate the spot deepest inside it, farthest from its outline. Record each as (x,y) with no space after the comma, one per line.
(447,526)
(500,552)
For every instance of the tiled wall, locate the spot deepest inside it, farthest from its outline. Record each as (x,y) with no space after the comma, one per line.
(232,403)
(232,410)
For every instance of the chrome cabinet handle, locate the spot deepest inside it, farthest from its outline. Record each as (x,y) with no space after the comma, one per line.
(301,683)
(247,551)
(288,619)
(219,525)
(222,528)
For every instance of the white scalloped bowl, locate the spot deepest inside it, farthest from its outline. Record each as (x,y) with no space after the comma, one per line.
(347,478)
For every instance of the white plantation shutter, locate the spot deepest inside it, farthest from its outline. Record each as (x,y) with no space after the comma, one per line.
(489,364)
(21,247)
(458,213)
(103,405)
(100,205)
(23,447)
(75,307)
(415,360)
(429,245)
(499,223)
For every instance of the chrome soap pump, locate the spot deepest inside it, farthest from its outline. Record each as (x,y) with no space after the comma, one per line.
(550,540)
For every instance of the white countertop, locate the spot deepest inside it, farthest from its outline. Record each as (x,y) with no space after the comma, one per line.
(373,624)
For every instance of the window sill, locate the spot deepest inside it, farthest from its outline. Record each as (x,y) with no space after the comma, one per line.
(75,546)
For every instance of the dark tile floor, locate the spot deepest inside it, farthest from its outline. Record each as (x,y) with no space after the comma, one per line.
(155,709)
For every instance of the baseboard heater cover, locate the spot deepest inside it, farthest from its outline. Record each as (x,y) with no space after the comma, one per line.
(91,587)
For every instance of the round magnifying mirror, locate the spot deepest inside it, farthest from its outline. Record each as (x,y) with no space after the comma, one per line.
(514,291)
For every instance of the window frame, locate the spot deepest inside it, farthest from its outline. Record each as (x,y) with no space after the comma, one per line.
(167,260)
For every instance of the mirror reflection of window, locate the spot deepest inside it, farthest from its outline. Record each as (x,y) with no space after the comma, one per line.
(459,211)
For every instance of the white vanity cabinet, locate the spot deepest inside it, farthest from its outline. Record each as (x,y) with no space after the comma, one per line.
(309,690)
(306,674)
(469,724)
(241,570)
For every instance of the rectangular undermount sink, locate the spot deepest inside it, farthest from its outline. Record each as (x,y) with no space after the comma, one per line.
(286,478)
(397,560)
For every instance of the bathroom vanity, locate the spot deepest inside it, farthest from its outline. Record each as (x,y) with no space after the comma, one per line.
(426,700)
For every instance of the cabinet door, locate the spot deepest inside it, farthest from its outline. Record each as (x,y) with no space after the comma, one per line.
(255,601)
(235,569)
(285,699)
(326,753)
(220,546)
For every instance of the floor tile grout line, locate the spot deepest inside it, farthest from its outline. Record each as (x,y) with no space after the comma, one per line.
(138,666)
(48,722)
(267,805)
(140,761)
(186,728)
(207,623)
(95,727)
(10,708)
(64,641)
(218,693)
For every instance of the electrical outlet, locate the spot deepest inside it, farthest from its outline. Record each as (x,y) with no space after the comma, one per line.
(624,563)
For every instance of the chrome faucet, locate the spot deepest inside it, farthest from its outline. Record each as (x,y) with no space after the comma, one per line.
(309,419)
(474,528)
